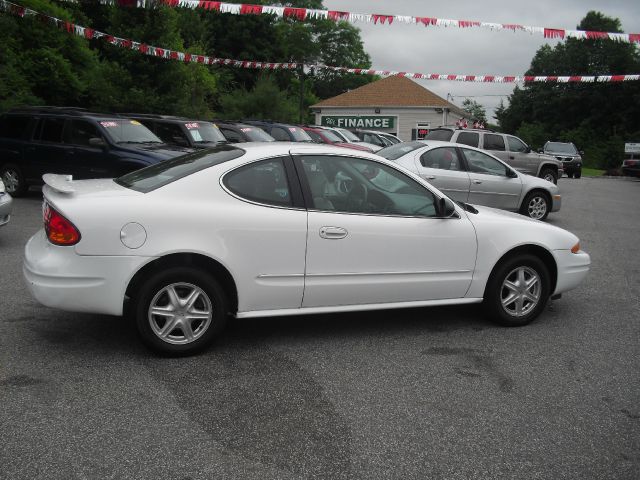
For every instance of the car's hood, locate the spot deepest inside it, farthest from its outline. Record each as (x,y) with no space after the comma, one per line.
(161,151)
(548,158)
(511,225)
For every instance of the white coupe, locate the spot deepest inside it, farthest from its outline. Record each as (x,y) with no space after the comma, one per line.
(283,229)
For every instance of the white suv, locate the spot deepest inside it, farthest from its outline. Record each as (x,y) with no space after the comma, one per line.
(508,148)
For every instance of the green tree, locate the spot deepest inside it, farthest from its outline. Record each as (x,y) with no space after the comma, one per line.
(474,110)
(596,116)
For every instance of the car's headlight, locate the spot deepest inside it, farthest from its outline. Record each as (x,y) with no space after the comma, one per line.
(575,248)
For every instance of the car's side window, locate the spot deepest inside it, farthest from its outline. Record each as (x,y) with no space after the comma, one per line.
(469,138)
(13,126)
(370,138)
(315,137)
(444,158)
(171,133)
(516,145)
(482,163)
(356,185)
(279,134)
(51,130)
(81,132)
(231,135)
(263,182)
(493,142)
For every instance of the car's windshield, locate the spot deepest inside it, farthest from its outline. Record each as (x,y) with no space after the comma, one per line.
(559,147)
(128,131)
(255,134)
(396,151)
(202,132)
(443,134)
(332,137)
(300,135)
(352,137)
(163,173)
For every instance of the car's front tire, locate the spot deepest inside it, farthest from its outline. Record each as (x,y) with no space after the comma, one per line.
(517,291)
(179,311)
(549,175)
(13,179)
(536,205)
(578,173)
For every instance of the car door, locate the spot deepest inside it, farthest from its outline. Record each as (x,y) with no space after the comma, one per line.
(374,236)
(520,156)
(47,153)
(490,184)
(494,143)
(442,168)
(86,160)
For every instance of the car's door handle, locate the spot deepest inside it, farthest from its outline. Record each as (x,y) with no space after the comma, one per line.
(477,181)
(431,177)
(332,233)
(511,158)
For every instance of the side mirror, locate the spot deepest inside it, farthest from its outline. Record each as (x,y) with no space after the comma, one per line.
(541,151)
(446,207)
(97,142)
(581,152)
(511,173)
(527,150)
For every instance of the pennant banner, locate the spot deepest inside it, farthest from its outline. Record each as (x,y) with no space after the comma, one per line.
(168,54)
(335,15)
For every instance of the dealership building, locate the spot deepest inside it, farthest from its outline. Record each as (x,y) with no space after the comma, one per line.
(393,104)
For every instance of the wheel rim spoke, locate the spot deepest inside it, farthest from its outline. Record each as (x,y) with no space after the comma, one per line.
(521,291)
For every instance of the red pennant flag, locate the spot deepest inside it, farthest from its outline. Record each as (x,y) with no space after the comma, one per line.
(470,78)
(553,33)
(126,43)
(88,33)
(468,23)
(489,78)
(634,37)
(382,18)
(511,26)
(552,78)
(597,35)
(617,78)
(575,78)
(250,9)
(159,52)
(509,79)
(173,55)
(336,15)
(143,48)
(209,5)
(426,21)
(187,57)
(527,78)
(299,13)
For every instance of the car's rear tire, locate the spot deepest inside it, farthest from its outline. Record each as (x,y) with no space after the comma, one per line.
(517,291)
(180,311)
(569,175)
(549,175)
(578,173)
(13,179)
(536,205)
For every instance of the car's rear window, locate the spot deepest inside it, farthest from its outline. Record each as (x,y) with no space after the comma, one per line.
(443,134)
(396,151)
(163,173)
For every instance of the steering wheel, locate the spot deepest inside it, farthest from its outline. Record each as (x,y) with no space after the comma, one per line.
(357,197)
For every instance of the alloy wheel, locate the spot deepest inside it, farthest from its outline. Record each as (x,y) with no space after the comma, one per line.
(180,313)
(521,291)
(537,207)
(11,180)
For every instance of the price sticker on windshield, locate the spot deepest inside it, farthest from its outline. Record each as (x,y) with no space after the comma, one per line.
(192,126)
(109,124)
(135,122)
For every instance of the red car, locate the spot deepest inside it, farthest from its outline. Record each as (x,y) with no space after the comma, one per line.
(319,135)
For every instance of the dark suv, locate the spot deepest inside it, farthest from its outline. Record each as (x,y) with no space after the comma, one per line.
(240,132)
(181,131)
(39,140)
(282,132)
(568,154)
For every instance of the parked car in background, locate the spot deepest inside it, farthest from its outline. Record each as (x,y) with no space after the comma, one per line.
(568,154)
(350,137)
(274,229)
(371,136)
(236,132)
(282,132)
(391,137)
(508,148)
(39,140)
(181,131)
(319,135)
(474,176)
(631,166)
(5,205)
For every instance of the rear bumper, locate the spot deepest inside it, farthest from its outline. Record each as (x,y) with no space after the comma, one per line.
(572,269)
(58,277)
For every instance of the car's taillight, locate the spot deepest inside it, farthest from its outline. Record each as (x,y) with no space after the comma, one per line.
(60,231)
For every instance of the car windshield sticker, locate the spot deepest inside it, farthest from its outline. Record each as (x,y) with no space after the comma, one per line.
(109,124)
(135,122)
(192,126)
(292,129)
(245,129)
(196,135)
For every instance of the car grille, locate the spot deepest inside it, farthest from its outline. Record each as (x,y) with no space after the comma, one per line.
(565,159)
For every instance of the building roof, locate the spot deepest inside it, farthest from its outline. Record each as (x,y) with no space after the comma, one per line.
(393,91)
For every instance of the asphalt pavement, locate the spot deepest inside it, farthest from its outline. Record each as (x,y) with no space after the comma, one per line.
(431,393)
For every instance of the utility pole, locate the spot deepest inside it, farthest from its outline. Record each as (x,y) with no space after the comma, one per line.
(301,77)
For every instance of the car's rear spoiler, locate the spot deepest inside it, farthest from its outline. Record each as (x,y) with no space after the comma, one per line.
(60,183)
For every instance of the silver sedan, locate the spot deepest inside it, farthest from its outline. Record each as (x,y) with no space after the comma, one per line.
(5,205)
(474,176)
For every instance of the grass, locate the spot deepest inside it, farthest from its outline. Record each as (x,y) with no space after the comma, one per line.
(591,172)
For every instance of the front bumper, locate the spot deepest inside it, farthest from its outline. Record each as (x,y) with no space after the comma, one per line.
(556,202)
(5,208)
(58,277)
(572,269)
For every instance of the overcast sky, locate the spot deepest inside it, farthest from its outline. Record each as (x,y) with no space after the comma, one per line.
(472,51)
